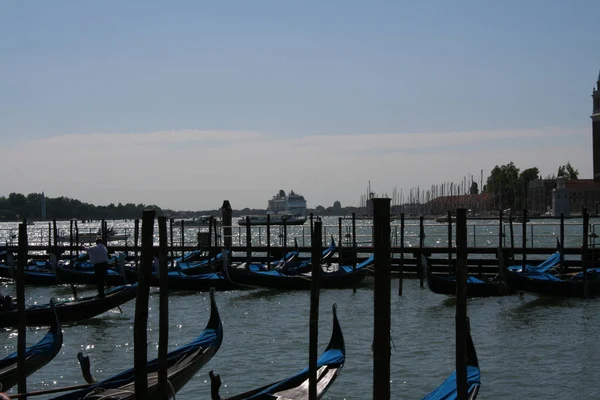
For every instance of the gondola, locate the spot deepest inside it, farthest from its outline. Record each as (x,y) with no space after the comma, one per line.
(296,387)
(344,276)
(72,310)
(550,263)
(183,364)
(554,284)
(447,390)
(294,266)
(201,282)
(38,273)
(36,356)
(87,276)
(476,287)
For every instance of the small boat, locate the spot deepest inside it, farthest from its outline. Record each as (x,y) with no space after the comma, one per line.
(555,284)
(274,219)
(201,282)
(550,263)
(342,277)
(476,286)
(87,276)
(36,356)
(447,390)
(182,365)
(294,266)
(295,387)
(71,310)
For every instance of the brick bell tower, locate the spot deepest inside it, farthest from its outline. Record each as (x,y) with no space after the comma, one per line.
(596,130)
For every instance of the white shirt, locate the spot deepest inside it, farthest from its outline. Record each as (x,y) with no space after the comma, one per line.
(97,253)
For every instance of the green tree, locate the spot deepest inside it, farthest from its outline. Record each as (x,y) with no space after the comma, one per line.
(474,188)
(502,184)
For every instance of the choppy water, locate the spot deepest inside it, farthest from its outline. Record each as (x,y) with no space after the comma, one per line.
(528,347)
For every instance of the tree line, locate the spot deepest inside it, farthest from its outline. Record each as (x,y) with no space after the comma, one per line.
(18,206)
(508,184)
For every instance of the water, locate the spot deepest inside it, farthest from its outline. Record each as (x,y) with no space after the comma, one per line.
(528,347)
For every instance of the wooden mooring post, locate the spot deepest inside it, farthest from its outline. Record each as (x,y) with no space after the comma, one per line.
(163,307)
(512,237)
(401,266)
(227,223)
(585,253)
(524,225)
(501,229)
(268,241)
(561,245)
(248,241)
(461,304)
(140,339)
(21,317)
(382,295)
(450,266)
(421,246)
(136,240)
(182,236)
(340,244)
(316,241)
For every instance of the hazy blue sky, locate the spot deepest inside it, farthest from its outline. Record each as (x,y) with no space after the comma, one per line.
(186,103)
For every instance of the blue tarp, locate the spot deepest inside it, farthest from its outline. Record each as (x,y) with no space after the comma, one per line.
(447,390)
(550,262)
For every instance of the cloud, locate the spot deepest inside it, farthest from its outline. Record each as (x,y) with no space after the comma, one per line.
(195,169)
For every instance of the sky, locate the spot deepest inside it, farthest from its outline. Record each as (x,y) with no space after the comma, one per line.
(184,104)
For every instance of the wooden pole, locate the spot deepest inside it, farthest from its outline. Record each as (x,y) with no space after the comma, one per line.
(340,244)
(461,303)
(136,240)
(210,250)
(163,322)
(77,235)
(512,237)
(316,242)
(182,236)
(226,223)
(421,245)
(524,238)
(268,241)
(563,266)
(171,239)
(382,295)
(401,269)
(70,241)
(248,241)
(450,266)
(55,235)
(21,344)
(500,230)
(354,249)
(584,252)
(284,236)
(49,234)
(140,339)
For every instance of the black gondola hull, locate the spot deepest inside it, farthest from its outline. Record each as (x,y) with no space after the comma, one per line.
(71,311)
(566,288)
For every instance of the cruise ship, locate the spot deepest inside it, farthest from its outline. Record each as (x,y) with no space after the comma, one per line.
(292,204)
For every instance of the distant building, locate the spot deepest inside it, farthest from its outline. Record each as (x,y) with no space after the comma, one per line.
(337,208)
(571,196)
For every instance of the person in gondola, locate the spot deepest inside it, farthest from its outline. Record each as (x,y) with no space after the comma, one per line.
(99,258)
(6,303)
